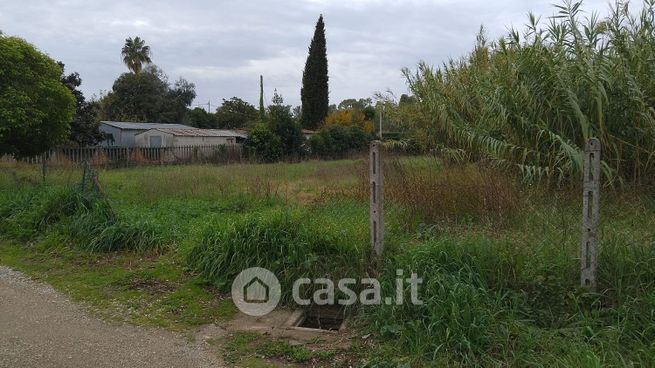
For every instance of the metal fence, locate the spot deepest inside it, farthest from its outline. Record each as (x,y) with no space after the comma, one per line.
(135,156)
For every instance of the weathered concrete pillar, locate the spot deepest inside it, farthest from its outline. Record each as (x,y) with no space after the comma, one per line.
(376,198)
(590,215)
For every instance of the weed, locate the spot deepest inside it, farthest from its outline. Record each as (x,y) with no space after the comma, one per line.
(244,346)
(434,193)
(280,241)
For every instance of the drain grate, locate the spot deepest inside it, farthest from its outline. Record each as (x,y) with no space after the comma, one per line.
(320,318)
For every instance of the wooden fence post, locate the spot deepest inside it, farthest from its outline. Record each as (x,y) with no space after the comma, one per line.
(377,199)
(590,215)
(127,156)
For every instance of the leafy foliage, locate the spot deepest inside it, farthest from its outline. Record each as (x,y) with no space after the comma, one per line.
(200,118)
(350,117)
(264,143)
(337,141)
(314,92)
(532,102)
(148,97)
(235,113)
(284,126)
(35,107)
(85,125)
(135,53)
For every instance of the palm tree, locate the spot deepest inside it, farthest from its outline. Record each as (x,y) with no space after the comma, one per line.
(135,53)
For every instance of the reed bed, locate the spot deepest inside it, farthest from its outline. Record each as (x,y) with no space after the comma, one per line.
(531,100)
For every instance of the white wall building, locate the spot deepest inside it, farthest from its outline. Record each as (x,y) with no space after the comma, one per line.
(187,137)
(122,134)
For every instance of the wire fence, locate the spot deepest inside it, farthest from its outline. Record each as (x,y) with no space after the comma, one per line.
(136,156)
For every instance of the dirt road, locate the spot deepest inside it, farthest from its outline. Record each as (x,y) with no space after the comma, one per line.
(39,327)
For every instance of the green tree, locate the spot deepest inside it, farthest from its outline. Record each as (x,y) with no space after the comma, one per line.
(354,104)
(284,126)
(177,100)
(262,110)
(235,113)
(338,141)
(147,97)
(264,143)
(84,129)
(135,53)
(314,92)
(200,118)
(35,107)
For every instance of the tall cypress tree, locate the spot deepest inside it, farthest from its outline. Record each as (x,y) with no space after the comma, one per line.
(314,92)
(262,110)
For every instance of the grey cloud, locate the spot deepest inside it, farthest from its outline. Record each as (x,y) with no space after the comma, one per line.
(223,46)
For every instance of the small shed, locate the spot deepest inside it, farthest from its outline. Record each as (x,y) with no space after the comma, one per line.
(188,137)
(308,133)
(123,134)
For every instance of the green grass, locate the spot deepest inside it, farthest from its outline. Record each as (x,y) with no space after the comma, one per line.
(244,348)
(282,241)
(500,287)
(496,296)
(140,288)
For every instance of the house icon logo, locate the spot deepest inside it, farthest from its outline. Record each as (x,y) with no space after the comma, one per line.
(256,291)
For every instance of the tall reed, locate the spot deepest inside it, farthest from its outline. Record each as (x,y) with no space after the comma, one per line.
(530,101)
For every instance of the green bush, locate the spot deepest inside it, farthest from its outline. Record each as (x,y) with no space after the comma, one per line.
(290,133)
(337,141)
(36,109)
(264,144)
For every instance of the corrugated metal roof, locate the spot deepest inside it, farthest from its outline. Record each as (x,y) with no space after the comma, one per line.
(124,125)
(195,132)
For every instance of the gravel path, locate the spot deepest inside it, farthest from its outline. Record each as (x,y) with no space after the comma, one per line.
(39,327)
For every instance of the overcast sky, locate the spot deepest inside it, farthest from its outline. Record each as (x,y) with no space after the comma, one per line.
(223,46)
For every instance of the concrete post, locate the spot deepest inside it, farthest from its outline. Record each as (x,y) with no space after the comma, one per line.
(590,215)
(376,198)
(44,166)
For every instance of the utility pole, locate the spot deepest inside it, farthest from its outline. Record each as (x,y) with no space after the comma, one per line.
(208,104)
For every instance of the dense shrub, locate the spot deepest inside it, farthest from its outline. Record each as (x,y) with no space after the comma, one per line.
(264,144)
(36,109)
(289,132)
(337,141)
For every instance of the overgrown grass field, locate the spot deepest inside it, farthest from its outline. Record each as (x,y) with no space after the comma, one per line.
(499,258)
